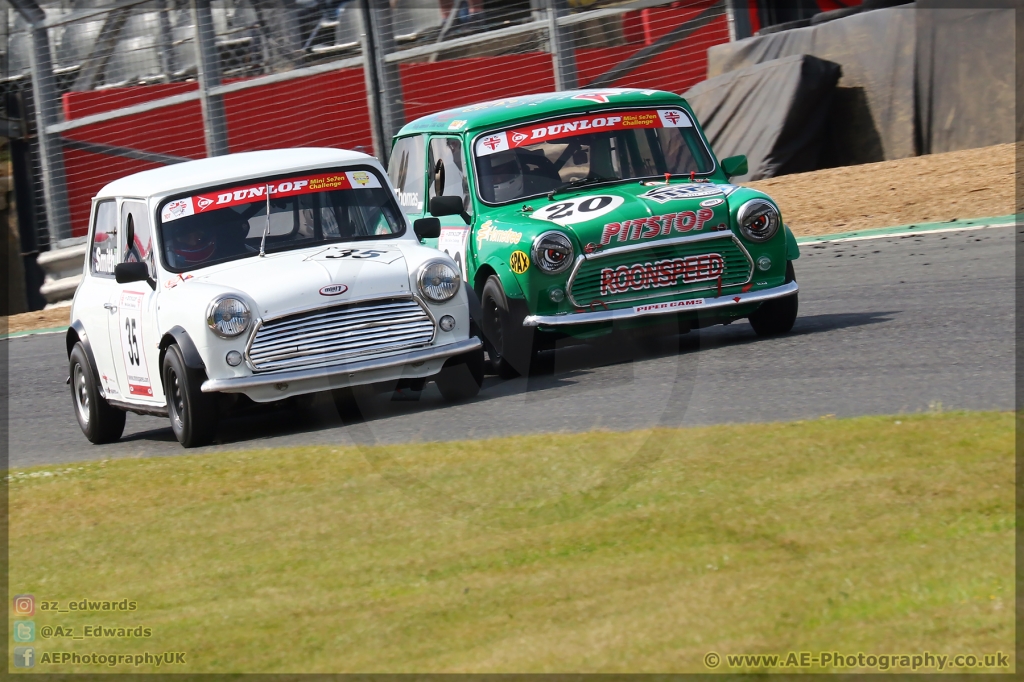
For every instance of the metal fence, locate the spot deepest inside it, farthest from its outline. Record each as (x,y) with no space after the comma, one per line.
(101,89)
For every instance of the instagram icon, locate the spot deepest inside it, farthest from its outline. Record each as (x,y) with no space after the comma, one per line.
(24,605)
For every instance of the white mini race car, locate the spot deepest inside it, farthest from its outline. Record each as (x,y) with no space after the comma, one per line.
(270,274)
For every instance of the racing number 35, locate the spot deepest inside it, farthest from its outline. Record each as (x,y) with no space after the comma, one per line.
(131,341)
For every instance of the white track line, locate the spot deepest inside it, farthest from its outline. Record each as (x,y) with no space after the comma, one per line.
(908,233)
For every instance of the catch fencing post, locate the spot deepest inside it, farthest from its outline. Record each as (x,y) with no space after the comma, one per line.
(383,83)
(215,124)
(47,113)
(563,51)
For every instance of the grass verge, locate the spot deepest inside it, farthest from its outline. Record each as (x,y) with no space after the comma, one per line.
(638,551)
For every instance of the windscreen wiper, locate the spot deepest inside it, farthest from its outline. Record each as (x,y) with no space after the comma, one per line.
(579,182)
(266,230)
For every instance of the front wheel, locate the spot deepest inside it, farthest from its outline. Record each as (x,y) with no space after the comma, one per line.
(100,422)
(193,413)
(778,315)
(509,345)
(461,377)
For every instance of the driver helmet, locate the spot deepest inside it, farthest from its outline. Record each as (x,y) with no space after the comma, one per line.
(192,245)
(506,178)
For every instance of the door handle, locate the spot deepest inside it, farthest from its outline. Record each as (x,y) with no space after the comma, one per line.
(110,306)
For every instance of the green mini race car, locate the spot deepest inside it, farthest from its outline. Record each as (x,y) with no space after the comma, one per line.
(577,212)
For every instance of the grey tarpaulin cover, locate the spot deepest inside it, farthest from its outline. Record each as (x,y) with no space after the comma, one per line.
(873,115)
(773,112)
(965,76)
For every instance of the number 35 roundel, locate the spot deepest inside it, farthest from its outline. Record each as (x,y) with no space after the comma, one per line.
(578,209)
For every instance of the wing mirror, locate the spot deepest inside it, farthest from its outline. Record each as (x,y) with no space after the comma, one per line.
(735,165)
(126,273)
(427,228)
(442,206)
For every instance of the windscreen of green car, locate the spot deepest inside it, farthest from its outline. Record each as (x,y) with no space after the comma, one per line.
(225,224)
(536,158)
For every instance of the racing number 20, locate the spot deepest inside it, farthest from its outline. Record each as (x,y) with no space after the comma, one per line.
(564,209)
(134,357)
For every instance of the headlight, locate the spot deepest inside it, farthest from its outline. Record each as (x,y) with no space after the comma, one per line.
(758,219)
(552,252)
(439,281)
(228,316)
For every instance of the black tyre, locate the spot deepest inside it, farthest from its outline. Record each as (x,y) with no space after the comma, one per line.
(778,315)
(461,377)
(193,414)
(100,422)
(509,345)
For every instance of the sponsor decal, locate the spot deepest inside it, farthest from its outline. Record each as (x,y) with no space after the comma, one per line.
(674,118)
(333,289)
(456,124)
(176,280)
(488,233)
(578,209)
(179,208)
(289,187)
(567,127)
(599,96)
(663,273)
(362,179)
(519,262)
(666,193)
(453,241)
(490,144)
(708,203)
(133,348)
(648,228)
(669,305)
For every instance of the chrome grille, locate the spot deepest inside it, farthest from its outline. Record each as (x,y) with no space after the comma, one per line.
(584,286)
(370,329)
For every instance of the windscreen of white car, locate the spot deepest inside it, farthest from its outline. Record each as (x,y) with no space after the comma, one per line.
(228,223)
(581,149)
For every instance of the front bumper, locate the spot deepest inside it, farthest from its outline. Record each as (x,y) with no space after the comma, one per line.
(350,371)
(667,308)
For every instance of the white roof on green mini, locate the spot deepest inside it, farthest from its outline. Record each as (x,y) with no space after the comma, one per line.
(219,170)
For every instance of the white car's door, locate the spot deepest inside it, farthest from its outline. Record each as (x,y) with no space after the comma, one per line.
(93,299)
(133,324)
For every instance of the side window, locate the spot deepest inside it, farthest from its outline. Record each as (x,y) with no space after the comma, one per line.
(104,239)
(448,151)
(140,250)
(408,173)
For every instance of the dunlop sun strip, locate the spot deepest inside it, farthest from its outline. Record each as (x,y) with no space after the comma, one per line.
(288,187)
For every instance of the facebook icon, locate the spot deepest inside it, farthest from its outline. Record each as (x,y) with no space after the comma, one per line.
(24,656)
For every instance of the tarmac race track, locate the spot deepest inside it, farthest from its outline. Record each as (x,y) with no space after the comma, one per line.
(890,325)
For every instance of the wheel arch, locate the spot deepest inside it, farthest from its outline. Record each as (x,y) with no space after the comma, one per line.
(179,337)
(509,284)
(76,334)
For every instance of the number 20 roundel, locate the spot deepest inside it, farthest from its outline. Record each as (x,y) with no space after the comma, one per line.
(578,209)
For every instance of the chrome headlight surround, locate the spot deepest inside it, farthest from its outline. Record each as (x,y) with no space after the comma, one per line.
(228,316)
(545,245)
(438,281)
(758,220)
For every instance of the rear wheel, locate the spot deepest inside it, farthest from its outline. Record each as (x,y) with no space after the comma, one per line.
(100,422)
(509,344)
(193,414)
(778,315)
(461,380)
